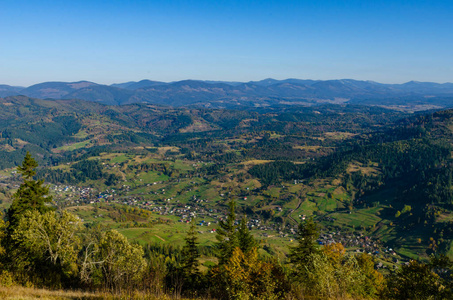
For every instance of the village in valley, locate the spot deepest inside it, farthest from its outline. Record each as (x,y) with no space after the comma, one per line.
(206,215)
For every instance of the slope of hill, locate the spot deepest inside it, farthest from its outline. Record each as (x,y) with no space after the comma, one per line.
(36,125)
(264,93)
(55,90)
(7,90)
(133,85)
(398,183)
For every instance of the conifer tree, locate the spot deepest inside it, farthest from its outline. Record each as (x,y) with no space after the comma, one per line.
(307,234)
(31,195)
(190,254)
(226,235)
(245,238)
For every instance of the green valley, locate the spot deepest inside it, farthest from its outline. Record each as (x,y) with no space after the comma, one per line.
(376,180)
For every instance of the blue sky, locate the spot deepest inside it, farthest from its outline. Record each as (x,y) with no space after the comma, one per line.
(117,41)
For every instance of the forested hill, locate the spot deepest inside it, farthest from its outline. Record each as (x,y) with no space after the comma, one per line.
(404,172)
(391,146)
(57,128)
(264,93)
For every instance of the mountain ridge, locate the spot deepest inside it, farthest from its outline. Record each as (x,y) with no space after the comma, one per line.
(225,94)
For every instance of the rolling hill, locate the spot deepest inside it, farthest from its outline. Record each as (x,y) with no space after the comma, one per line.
(264,93)
(363,170)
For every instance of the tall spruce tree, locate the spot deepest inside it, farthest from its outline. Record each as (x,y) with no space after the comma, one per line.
(307,234)
(190,254)
(31,195)
(226,235)
(246,240)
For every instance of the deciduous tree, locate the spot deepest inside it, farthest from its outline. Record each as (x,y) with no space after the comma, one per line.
(123,263)
(50,236)
(416,281)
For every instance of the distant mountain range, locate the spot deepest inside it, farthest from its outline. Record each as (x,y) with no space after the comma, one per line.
(264,93)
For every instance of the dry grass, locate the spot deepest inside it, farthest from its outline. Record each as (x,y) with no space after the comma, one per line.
(162,150)
(24,293)
(339,135)
(198,126)
(369,171)
(21,142)
(7,148)
(308,148)
(255,162)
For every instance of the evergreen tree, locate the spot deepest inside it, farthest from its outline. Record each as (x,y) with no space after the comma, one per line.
(245,239)
(190,254)
(31,195)
(226,235)
(307,235)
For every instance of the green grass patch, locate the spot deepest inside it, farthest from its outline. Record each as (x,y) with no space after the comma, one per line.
(74,146)
(307,207)
(356,218)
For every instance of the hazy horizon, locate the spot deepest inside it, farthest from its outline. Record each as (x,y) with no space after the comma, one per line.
(209,80)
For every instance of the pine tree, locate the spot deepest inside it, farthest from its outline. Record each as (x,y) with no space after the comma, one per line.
(226,235)
(190,254)
(31,195)
(307,235)
(246,240)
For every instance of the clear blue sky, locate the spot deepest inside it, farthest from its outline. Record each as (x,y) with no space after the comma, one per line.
(116,41)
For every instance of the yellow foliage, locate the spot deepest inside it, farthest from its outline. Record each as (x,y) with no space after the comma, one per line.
(374,280)
(248,277)
(334,252)
(6,279)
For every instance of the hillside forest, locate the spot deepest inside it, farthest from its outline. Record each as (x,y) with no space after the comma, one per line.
(320,202)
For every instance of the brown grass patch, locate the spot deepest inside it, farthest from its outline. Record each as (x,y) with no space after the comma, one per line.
(339,135)
(7,148)
(21,142)
(162,150)
(336,181)
(255,162)
(307,148)
(339,190)
(84,208)
(355,167)
(198,126)
(24,293)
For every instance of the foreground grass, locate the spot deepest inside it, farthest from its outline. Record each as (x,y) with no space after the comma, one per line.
(18,292)
(24,293)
